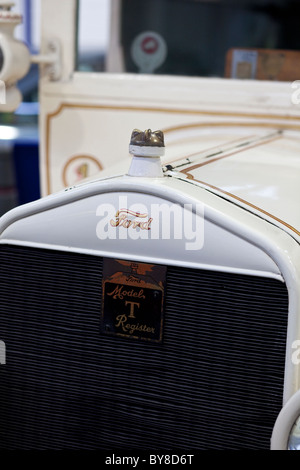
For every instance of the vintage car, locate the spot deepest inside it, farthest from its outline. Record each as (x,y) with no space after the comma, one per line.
(155,304)
(158,306)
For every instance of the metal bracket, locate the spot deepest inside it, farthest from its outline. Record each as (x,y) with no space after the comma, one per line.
(51,59)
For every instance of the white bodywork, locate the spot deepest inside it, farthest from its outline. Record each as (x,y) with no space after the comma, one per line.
(86,118)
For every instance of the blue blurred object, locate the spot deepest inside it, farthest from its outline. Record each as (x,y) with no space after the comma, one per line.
(19,157)
(26,162)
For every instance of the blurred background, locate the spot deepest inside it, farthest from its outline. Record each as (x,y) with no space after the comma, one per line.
(196,36)
(19,136)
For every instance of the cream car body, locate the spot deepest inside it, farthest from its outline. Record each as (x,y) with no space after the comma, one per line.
(242,190)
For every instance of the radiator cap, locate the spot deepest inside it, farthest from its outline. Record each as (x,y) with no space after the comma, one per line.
(146,148)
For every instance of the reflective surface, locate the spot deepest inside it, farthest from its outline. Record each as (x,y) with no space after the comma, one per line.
(196,34)
(294,440)
(92,34)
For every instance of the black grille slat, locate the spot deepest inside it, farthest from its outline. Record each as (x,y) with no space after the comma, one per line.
(216,381)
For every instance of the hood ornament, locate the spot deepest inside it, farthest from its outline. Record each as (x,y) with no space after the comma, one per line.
(146,147)
(147,138)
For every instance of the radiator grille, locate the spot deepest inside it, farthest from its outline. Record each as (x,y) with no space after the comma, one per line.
(215,382)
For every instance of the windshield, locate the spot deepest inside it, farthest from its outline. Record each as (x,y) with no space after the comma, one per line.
(194,36)
(183,37)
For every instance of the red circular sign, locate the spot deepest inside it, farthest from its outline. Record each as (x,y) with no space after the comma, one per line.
(149,45)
